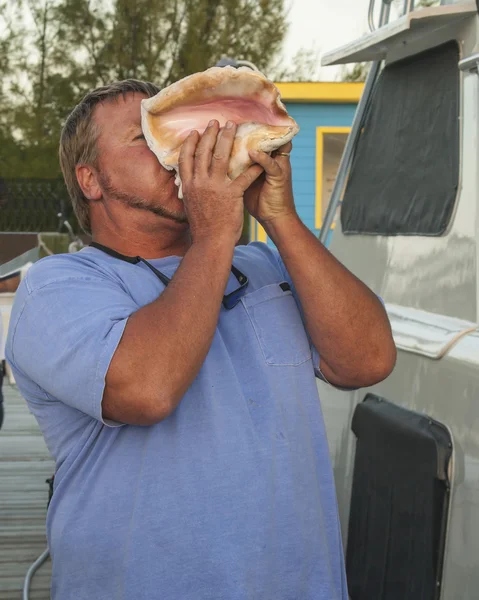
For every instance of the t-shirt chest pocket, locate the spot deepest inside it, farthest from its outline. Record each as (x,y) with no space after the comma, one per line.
(276,320)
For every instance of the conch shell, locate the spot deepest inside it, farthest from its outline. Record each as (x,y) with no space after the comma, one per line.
(224,93)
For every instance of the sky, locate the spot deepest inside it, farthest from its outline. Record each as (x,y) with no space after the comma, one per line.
(323,25)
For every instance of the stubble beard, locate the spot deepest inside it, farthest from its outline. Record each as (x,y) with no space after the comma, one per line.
(139,202)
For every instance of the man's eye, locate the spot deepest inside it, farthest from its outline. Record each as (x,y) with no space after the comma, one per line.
(139,137)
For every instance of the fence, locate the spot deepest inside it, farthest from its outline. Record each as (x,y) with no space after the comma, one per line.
(33,205)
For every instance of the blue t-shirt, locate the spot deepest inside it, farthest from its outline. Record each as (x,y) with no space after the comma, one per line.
(232,496)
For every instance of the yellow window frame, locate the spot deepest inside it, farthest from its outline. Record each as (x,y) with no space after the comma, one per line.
(257,231)
(320,133)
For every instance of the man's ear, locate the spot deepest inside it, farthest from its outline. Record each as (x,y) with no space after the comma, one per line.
(88,181)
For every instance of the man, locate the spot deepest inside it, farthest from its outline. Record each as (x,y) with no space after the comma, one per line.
(178,397)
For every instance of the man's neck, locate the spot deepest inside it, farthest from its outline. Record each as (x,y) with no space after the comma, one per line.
(171,241)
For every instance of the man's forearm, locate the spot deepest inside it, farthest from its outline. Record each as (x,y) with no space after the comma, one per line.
(166,342)
(345,320)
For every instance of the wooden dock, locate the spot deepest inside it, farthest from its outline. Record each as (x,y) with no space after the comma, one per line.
(25,464)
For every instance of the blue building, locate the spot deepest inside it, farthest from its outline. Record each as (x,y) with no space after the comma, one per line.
(324,113)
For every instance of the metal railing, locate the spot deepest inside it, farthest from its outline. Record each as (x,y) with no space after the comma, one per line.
(33,205)
(408,7)
(385,12)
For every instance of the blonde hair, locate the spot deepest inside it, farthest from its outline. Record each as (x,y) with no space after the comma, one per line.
(78,140)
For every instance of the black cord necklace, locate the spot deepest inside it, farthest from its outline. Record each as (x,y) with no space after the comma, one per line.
(229,300)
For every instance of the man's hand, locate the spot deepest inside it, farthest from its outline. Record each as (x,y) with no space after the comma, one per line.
(271,195)
(213,203)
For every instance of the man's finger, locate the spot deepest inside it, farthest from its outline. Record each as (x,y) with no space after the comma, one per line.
(247,178)
(269,164)
(186,159)
(205,148)
(223,148)
(287,148)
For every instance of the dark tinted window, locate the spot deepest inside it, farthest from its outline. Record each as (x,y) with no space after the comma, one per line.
(405,173)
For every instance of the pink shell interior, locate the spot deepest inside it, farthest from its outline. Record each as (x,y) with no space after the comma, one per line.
(182,119)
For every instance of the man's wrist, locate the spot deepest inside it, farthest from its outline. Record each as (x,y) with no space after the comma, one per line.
(281,226)
(219,245)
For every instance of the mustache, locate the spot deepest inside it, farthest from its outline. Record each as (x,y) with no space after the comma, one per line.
(160,211)
(138,202)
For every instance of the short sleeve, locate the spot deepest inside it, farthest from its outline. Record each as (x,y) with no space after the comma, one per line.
(64,334)
(314,352)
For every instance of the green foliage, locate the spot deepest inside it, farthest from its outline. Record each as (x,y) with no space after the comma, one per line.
(427,3)
(304,66)
(355,74)
(52,52)
(399,4)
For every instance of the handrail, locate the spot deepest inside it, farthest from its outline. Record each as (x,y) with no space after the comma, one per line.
(385,12)
(409,6)
(372,25)
(31,572)
(470,63)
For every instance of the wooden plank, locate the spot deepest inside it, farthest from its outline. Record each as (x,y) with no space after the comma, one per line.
(25,464)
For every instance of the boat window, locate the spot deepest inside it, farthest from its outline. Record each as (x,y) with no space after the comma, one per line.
(405,173)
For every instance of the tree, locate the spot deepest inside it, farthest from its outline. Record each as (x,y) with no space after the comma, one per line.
(399,4)
(427,3)
(38,90)
(305,66)
(53,51)
(165,40)
(357,73)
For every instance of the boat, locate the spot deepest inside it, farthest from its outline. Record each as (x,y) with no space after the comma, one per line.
(405,452)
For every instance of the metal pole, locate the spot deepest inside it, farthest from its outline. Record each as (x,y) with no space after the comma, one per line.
(31,572)
(384,14)
(353,138)
(346,159)
(372,26)
(471,63)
